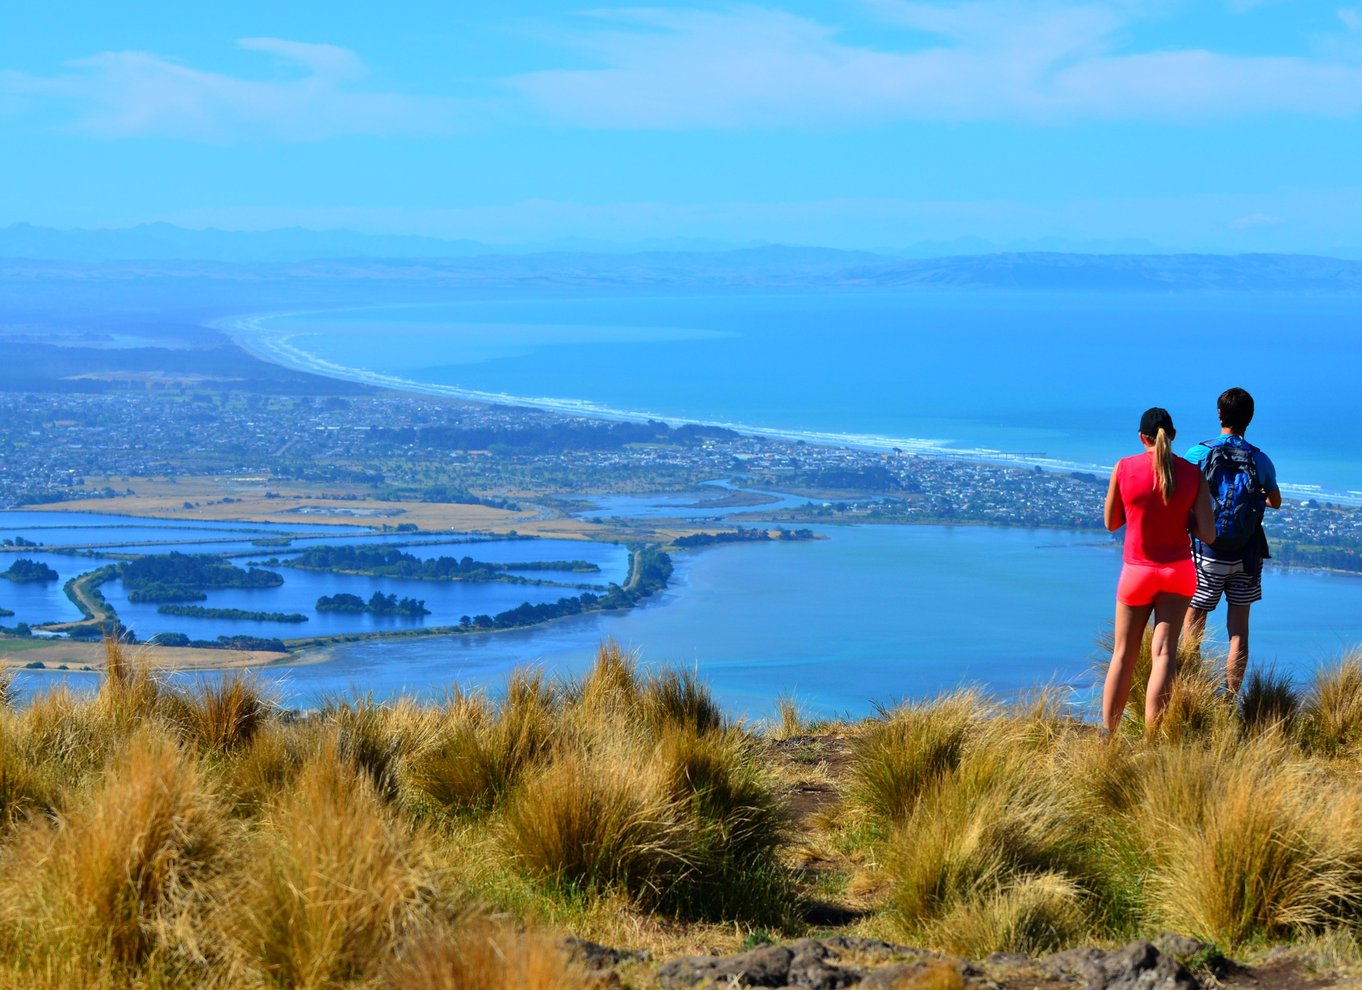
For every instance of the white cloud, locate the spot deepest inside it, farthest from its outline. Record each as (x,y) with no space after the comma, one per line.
(988,60)
(138,94)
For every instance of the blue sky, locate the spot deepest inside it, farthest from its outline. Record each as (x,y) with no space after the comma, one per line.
(1216,124)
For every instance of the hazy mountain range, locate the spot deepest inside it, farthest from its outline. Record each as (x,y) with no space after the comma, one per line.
(167,242)
(308,264)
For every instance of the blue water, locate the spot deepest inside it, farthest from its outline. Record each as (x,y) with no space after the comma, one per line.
(870,615)
(448,602)
(1058,378)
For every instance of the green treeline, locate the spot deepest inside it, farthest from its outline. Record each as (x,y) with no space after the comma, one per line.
(378,604)
(392,562)
(200,612)
(25,571)
(1307,555)
(266,643)
(650,569)
(183,577)
(741,535)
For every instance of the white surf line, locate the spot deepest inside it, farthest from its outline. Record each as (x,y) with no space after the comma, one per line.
(278,347)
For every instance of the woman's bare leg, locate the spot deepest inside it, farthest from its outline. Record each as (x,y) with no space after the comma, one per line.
(1169,611)
(1125,652)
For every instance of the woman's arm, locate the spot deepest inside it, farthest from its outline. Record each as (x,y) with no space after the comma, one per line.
(1114,513)
(1203,515)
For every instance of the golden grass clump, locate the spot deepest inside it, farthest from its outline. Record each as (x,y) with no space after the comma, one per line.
(1033,914)
(1331,716)
(474,757)
(978,835)
(1248,845)
(106,880)
(901,754)
(595,823)
(221,716)
(334,881)
(478,953)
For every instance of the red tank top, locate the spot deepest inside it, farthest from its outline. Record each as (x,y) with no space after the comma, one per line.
(1156,533)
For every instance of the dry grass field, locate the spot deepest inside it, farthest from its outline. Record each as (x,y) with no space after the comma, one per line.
(159,837)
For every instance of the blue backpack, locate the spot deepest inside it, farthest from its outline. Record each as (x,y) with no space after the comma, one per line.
(1236,493)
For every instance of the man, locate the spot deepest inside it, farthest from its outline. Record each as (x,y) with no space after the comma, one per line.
(1242,481)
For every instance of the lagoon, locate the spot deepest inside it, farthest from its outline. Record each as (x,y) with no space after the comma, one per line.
(870,615)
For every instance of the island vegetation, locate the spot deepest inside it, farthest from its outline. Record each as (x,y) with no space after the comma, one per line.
(381,561)
(741,534)
(202,612)
(25,571)
(182,577)
(378,604)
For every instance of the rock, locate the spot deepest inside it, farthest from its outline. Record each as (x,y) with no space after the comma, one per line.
(1008,960)
(806,964)
(598,957)
(872,949)
(1180,947)
(764,966)
(1138,966)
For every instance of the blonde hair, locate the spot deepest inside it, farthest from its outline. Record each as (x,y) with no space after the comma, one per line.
(1164,475)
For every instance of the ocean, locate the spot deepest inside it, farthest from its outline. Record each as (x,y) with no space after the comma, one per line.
(1057,379)
(872,614)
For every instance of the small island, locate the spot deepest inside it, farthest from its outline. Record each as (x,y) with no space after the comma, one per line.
(378,604)
(392,562)
(25,571)
(202,612)
(184,577)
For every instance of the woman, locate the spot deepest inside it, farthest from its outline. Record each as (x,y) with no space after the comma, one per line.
(1157,496)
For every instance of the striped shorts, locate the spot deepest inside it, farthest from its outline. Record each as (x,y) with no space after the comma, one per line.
(1240,586)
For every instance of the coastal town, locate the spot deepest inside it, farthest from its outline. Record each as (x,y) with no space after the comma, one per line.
(59,446)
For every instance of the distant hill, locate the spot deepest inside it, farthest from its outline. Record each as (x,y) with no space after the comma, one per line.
(748,268)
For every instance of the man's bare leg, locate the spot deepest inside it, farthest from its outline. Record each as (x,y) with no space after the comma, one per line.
(1237,626)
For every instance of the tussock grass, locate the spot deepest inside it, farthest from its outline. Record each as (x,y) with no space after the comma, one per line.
(335,882)
(223,715)
(482,954)
(1019,829)
(899,755)
(104,881)
(155,837)
(1331,714)
(594,824)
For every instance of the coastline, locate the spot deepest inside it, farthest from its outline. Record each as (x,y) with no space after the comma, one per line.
(249,332)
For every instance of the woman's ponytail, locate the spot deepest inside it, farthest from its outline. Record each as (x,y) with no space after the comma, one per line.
(1163,464)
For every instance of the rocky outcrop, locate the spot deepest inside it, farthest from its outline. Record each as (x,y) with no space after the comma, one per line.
(869,964)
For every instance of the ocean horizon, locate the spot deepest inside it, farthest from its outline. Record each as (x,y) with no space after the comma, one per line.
(1055,380)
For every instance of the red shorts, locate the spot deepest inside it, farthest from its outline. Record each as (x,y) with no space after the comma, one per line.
(1141,582)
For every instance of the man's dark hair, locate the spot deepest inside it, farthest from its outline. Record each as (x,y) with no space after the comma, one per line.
(1236,409)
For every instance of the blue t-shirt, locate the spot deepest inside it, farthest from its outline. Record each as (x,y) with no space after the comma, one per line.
(1267,476)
